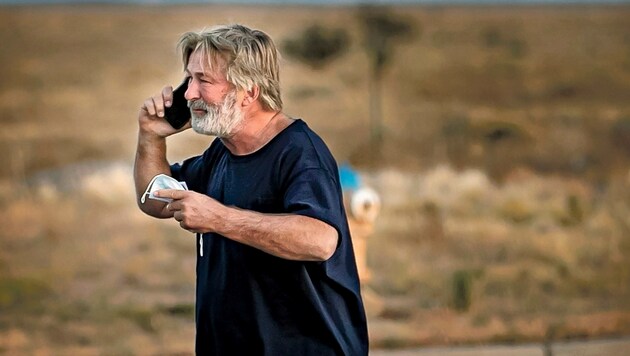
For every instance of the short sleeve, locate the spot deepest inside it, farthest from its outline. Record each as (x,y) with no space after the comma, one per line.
(189,171)
(195,170)
(314,193)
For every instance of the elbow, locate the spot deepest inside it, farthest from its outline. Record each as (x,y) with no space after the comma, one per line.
(328,245)
(156,210)
(142,207)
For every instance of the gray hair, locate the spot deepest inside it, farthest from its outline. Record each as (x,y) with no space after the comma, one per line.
(250,58)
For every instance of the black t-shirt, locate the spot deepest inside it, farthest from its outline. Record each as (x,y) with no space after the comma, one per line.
(252,303)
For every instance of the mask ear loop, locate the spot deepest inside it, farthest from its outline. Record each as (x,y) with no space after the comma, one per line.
(200,237)
(146,192)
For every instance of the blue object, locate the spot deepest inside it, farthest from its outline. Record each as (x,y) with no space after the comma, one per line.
(349,178)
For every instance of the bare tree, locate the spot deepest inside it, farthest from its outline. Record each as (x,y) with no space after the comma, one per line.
(381,31)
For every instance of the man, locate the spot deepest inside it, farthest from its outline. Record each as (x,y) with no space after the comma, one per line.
(276,273)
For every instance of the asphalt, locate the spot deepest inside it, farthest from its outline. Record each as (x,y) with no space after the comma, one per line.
(609,347)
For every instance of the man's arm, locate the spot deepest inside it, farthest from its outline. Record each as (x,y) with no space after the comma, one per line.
(151,151)
(293,237)
(150,161)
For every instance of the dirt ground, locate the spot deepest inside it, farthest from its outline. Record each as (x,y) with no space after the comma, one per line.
(582,348)
(503,172)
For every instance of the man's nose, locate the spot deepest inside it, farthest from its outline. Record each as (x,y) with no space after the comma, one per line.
(192,93)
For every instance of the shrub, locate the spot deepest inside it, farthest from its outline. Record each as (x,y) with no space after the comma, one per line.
(22,293)
(620,134)
(317,45)
(493,38)
(462,290)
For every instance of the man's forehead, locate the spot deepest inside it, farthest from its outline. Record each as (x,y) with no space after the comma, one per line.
(203,63)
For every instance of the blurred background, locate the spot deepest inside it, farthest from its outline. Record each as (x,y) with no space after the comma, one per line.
(496,135)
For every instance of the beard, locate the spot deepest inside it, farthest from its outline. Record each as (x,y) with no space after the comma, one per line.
(220,120)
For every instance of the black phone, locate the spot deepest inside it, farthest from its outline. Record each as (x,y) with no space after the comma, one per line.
(178,114)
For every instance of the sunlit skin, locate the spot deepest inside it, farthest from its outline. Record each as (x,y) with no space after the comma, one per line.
(287,236)
(210,90)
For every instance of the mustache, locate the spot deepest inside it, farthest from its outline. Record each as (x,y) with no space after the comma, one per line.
(198,104)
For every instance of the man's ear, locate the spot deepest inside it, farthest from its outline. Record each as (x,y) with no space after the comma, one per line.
(251,95)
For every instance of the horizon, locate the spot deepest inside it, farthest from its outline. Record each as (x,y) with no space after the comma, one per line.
(318,2)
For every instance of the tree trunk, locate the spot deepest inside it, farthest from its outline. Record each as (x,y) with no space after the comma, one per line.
(376,110)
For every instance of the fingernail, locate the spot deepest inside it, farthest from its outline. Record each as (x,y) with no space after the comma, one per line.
(160,113)
(157,193)
(167,103)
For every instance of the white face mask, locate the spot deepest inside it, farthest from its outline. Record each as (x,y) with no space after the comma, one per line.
(162,181)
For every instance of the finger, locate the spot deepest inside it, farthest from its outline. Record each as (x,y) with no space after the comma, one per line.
(175,205)
(167,95)
(159,105)
(149,106)
(187,126)
(174,194)
(187,227)
(179,216)
(184,226)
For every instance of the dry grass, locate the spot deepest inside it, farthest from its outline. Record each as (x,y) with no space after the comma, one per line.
(535,255)
(503,173)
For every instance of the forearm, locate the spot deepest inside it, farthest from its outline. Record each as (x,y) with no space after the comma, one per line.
(293,237)
(150,161)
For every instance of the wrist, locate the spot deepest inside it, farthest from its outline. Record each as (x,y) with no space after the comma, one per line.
(224,225)
(150,137)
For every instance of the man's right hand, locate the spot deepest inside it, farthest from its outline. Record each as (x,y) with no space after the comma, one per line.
(151,117)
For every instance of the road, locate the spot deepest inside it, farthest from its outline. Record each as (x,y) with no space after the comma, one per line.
(610,347)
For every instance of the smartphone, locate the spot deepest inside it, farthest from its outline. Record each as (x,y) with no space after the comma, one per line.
(178,114)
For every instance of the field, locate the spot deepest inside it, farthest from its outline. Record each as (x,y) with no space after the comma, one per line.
(504,172)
